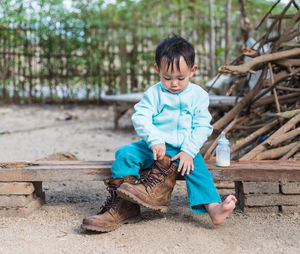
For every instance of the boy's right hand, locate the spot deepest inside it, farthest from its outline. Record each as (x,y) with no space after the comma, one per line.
(159,151)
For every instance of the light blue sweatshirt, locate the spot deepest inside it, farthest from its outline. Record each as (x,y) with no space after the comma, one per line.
(181,120)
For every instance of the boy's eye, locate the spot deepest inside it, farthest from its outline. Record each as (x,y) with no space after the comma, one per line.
(180,78)
(167,78)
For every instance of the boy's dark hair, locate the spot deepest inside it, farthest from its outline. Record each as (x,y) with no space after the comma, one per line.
(171,49)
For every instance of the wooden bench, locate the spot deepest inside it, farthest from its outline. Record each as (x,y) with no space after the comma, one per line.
(258,184)
(259,171)
(124,102)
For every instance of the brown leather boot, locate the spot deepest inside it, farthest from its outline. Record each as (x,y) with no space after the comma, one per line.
(115,211)
(155,189)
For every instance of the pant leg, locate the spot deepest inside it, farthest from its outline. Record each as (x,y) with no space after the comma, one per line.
(200,186)
(130,158)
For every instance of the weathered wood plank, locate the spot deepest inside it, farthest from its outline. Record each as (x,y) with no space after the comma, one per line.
(214,100)
(95,171)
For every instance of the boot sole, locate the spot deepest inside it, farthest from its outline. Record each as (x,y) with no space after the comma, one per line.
(130,197)
(109,229)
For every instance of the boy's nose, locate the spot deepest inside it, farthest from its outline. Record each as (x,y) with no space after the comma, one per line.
(173,83)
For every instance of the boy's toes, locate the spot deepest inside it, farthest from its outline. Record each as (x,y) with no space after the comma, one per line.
(230,198)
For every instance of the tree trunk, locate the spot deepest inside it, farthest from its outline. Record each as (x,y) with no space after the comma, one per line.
(227,30)
(123,60)
(244,23)
(212,39)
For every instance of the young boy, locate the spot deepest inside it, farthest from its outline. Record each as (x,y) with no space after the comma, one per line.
(173,121)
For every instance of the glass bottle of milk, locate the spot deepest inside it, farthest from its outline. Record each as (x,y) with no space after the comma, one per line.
(223,152)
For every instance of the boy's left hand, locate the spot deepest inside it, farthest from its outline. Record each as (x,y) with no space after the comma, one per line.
(186,163)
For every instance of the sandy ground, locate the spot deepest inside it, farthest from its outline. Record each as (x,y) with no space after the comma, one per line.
(37,132)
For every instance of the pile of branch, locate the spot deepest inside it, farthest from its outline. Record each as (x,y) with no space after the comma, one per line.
(266,121)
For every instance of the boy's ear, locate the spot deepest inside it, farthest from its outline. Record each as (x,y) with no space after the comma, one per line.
(193,70)
(156,68)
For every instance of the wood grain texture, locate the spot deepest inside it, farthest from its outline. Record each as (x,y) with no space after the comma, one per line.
(260,171)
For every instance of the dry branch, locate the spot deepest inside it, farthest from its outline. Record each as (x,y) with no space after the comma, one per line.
(282,61)
(253,136)
(250,52)
(286,31)
(214,144)
(279,77)
(291,152)
(269,99)
(284,137)
(258,149)
(241,105)
(274,89)
(275,153)
(289,114)
(288,89)
(249,66)
(267,14)
(288,63)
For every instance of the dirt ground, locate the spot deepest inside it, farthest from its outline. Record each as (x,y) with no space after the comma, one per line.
(39,131)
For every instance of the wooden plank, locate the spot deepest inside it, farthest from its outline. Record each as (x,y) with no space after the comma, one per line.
(36,163)
(214,100)
(57,173)
(255,171)
(132,97)
(16,188)
(14,164)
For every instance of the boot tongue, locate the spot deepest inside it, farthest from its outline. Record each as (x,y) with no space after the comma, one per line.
(164,163)
(113,181)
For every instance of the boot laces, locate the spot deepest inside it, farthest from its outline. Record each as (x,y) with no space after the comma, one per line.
(153,177)
(111,200)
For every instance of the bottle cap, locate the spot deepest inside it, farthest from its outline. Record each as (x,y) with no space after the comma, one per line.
(223,140)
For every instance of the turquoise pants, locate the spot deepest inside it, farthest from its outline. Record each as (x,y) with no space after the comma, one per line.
(136,156)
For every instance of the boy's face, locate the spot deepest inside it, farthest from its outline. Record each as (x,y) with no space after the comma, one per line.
(175,81)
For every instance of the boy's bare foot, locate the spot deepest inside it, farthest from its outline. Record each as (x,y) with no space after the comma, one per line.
(218,212)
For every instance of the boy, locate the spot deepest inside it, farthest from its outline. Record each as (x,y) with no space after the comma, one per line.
(173,121)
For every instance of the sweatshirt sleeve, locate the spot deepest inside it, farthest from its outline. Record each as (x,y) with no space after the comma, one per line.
(142,118)
(201,128)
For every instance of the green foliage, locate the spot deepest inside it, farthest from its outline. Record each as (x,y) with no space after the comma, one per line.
(80,41)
